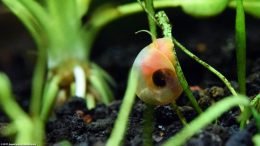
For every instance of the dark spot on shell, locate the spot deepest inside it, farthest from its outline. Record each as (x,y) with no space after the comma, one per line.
(159,79)
(161,76)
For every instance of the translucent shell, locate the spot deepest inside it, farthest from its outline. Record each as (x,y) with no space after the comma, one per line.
(157,80)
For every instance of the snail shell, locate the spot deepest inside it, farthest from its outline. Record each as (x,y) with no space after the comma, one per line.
(157,80)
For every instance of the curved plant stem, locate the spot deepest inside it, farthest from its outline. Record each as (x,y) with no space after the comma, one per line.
(37,83)
(210,68)
(178,112)
(23,125)
(7,102)
(121,123)
(213,70)
(212,113)
(164,23)
(49,97)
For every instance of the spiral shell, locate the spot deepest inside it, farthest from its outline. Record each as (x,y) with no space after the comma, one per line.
(157,80)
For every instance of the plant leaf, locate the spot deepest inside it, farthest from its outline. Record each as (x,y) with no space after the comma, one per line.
(28,18)
(251,7)
(203,8)
(7,102)
(256,139)
(65,36)
(104,74)
(101,86)
(82,7)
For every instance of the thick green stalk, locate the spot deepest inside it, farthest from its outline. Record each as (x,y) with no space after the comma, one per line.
(152,26)
(241,46)
(120,126)
(148,115)
(148,125)
(37,83)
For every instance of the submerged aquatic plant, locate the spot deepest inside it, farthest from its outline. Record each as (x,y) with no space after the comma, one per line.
(62,65)
(63,45)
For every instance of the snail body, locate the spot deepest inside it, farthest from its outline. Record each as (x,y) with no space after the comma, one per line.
(157,80)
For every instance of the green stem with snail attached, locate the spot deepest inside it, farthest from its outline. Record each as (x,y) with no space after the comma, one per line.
(152,26)
(148,115)
(163,22)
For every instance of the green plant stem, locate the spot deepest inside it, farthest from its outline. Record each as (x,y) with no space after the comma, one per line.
(179,114)
(166,27)
(29,131)
(22,124)
(30,12)
(149,111)
(8,104)
(49,97)
(185,86)
(37,83)
(241,46)
(121,123)
(256,102)
(90,99)
(256,139)
(210,68)
(152,26)
(208,116)
(148,117)
(255,110)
